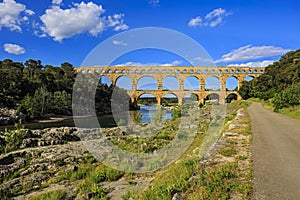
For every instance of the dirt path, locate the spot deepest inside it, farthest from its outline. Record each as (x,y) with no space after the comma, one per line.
(276,154)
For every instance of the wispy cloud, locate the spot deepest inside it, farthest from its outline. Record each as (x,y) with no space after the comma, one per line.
(116,42)
(14,49)
(212,19)
(154,3)
(174,63)
(197,21)
(264,63)
(250,52)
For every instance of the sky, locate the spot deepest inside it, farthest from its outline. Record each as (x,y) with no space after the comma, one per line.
(232,32)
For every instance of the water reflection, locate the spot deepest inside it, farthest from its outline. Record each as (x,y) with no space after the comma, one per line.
(148,113)
(107,121)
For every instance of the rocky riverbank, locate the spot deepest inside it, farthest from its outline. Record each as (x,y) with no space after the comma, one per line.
(10,116)
(54,158)
(55,162)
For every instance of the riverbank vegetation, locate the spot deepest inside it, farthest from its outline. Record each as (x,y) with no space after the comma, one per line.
(279,86)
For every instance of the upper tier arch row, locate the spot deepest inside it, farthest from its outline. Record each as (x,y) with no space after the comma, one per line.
(163,70)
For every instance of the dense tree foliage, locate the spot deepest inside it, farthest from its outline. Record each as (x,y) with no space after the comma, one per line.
(39,90)
(280,82)
(18,80)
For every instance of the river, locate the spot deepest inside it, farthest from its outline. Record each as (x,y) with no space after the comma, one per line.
(105,121)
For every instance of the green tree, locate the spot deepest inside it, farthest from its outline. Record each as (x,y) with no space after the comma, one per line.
(37,105)
(31,67)
(61,103)
(287,97)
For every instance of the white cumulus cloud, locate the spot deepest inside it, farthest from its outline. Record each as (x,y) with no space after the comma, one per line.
(80,18)
(250,52)
(212,19)
(10,15)
(13,49)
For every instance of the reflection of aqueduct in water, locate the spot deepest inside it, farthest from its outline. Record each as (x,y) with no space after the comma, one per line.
(160,73)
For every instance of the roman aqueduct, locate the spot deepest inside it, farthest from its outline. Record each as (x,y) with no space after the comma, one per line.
(160,73)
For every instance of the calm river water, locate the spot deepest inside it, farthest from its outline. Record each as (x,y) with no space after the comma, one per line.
(105,121)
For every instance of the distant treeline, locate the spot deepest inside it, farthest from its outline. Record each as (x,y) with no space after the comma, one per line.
(280,83)
(39,90)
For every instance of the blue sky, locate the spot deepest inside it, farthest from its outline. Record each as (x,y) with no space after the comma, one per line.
(233,32)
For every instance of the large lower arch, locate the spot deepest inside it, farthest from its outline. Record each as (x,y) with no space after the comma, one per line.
(232,83)
(124,82)
(212,83)
(170,83)
(147,99)
(147,83)
(169,100)
(191,83)
(212,98)
(231,97)
(190,97)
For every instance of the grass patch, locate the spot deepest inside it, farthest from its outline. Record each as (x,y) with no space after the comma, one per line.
(171,181)
(88,186)
(217,182)
(293,112)
(228,151)
(52,195)
(241,157)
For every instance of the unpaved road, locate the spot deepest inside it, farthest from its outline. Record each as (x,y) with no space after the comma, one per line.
(276,155)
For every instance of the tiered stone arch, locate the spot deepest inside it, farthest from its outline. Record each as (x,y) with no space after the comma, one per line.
(159,73)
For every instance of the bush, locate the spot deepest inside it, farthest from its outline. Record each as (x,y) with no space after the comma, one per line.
(13,138)
(287,97)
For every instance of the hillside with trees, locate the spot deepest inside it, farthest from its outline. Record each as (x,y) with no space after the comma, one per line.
(39,90)
(280,84)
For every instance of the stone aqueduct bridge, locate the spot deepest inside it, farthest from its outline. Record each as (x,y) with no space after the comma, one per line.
(159,73)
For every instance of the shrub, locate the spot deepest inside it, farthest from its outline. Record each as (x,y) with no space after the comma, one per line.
(13,138)
(287,97)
